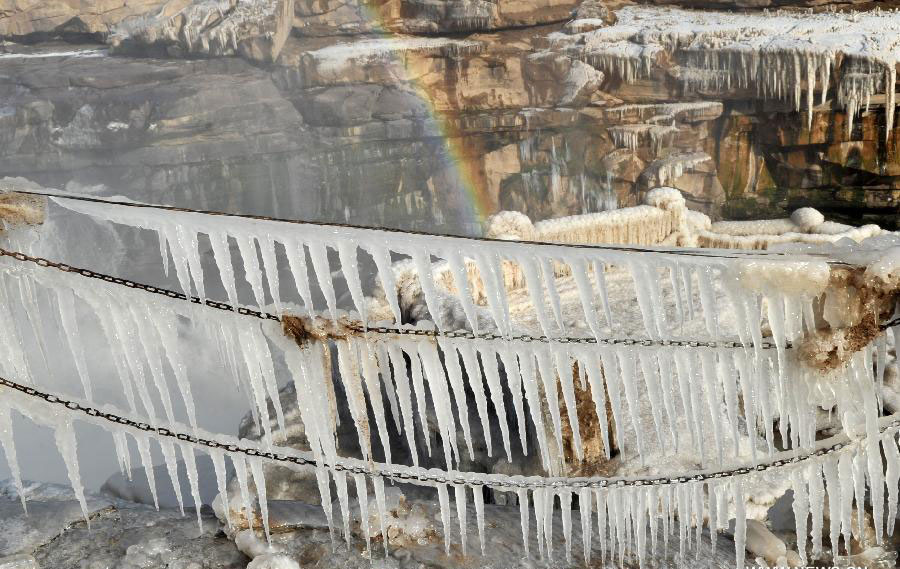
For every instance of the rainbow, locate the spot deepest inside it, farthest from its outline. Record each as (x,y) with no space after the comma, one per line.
(474,201)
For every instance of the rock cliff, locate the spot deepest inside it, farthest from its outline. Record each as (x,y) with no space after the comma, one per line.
(435,115)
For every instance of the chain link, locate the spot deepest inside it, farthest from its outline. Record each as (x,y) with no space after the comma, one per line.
(425,477)
(358,326)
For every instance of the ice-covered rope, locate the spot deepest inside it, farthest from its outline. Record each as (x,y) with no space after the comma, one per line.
(725,254)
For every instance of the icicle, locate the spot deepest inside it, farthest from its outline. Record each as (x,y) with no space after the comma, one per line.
(349,372)
(151,350)
(422,260)
(473,373)
(628,380)
(270,265)
(440,397)
(727,373)
(362,498)
(418,382)
(713,524)
(168,450)
(890,80)
(249,256)
(550,282)
(565,504)
(384,369)
(218,460)
(892,476)
(514,382)
(523,519)
(645,299)
(713,397)
(845,479)
(488,264)
(66,300)
(613,382)
(564,371)
(651,379)
(454,377)
(401,381)
(347,256)
(296,257)
(810,90)
(8,445)
(478,498)
(548,497)
(585,294)
(857,467)
(382,257)
(816,500)
(123,457)
(584,509)
(653,515)
(340,482)
(190,464)
(143,445)
(324,484)
(381,504)
(600,276)
(444,500)
(259,481)
(551,397)
(319,256)
(833,484)
(263,356)
(240,472)
(740,521)
(168,335)
(459,495)
(600,495)
(461,280)
(708,300)
(222,257)
(537,498)
(598,394)
(68,450)
(373,388)
(535,408)
(801,512)
(536,292)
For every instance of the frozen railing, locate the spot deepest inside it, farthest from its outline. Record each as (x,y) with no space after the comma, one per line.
(698,352)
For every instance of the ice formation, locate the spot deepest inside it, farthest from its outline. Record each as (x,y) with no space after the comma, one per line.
(786,55)
(731,385)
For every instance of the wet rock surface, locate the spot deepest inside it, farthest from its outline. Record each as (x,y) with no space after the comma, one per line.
(463,109)
(122,534)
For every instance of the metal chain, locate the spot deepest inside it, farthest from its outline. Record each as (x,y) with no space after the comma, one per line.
(42,262)
(359,327)
(428,477)
(394,330)
(567,340)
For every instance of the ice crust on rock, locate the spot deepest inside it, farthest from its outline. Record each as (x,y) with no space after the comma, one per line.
(781,55)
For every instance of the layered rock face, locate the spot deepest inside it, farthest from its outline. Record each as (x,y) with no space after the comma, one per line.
(435,115)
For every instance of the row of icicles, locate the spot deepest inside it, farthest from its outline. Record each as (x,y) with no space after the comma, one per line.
(143,333)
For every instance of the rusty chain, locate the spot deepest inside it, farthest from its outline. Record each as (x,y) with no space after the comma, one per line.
(431,477)
(359,327)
